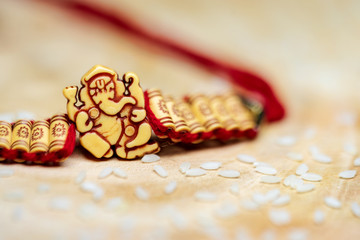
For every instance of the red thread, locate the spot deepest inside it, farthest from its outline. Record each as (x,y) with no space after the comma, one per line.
(274,109)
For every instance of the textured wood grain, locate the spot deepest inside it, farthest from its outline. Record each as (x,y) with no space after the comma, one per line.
(308,50)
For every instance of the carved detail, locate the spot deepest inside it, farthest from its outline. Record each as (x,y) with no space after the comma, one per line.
(109,114)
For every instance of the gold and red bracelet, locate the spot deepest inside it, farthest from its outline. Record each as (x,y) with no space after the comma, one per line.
(115,117)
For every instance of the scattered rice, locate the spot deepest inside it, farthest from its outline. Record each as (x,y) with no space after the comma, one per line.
(93,188)
(332,202)
(141,194)
(60,203)
(226,210)
(250,205)
(170,187)
(175,217)
(114,204)
(357,162)
(301,169)
(350,148)
(281,200)
(184,167)
(211,165)
(347,174)
(313,177)
(259,198)
(286,141)
(119,173)
(105,172)
(288,180)
(235,188)
(295,156)
(355,208)
(314,150)
(270,179)
(246,158)
(319,216)
(80,177)
(160,171)
(266,170)
(303,188)
(322,158)
(279,217)
(14,195)
(149,158)
(205,196)
(298,234)
(6,172)
(229,173)
(43,188)
(195,172)
(272,194)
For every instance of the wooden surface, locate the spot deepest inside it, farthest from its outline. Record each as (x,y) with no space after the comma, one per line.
(308,50)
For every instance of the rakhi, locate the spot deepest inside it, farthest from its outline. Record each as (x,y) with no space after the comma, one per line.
(115,117)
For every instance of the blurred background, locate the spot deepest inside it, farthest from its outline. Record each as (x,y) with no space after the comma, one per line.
(308,50)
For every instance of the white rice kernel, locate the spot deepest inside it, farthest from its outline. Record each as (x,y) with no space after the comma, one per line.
(249,204)
(281,200)
(141,193)
(160,171)
(306,187)
(235,188)
(319,216)
(80,177)
(355,208)
(279,217)
(149,158)
(332,202)
(246,158)
(313,177)
(170,187)
(205,196)
(301,169)
(322,158)
(105,172)
(272,194)
(347,174)
(229,174)
(211,165)
(184,167)
(195,172)
(266,170)
(286,141)
(60,203)
(118,172)
(357,162)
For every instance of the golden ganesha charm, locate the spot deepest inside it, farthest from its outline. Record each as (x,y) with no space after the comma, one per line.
(110,114)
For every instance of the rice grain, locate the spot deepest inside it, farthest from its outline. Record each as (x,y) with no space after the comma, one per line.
(150,158)
(229,174)
(355,208)
(281,200)
(246,158)
(184,167)
(118,172)
(195,172)
(279,217)
(302,169)
(170,187)
(266,170)
(347,174)
(141,194)
(313,177)
(357,162)
(306,187)
(80,177)
(270,179)
(160,171)
(319,216)
(205,196)
(295,156)
(211,165)
(332,202)
(105,172)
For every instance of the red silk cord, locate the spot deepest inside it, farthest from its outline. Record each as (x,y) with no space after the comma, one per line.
(274,109)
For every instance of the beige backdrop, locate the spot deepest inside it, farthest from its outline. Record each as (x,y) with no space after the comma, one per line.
(309,52)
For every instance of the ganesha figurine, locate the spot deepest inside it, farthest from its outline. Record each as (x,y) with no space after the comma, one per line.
(110,114)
